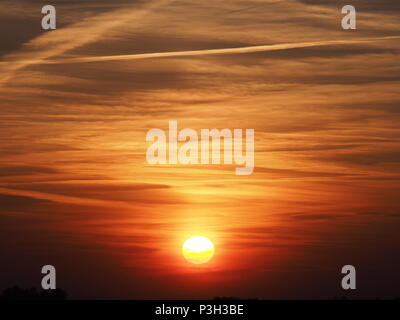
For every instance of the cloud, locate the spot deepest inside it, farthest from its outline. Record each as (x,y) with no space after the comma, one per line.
(367,158)
(80,189)
(16,203)
(129,192)
(290,173)
(248,49)
(315,216)
(388,6)
(62,40)
(25,170)
(378,214)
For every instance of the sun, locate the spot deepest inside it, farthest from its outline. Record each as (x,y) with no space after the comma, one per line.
(198,250)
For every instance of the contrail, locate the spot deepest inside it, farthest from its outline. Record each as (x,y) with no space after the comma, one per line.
(50,45)
(249,49)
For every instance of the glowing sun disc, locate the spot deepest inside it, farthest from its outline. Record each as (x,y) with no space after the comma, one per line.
(198,250)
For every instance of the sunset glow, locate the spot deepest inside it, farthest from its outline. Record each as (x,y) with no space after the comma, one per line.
(307,178)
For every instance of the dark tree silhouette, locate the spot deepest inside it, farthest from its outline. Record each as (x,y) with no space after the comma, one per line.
(17,293)
(226,298)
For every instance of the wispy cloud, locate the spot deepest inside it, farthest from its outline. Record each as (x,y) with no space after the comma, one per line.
(55,43)
(248,49)
(323,102)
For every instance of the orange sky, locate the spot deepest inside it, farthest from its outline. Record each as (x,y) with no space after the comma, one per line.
(76,191)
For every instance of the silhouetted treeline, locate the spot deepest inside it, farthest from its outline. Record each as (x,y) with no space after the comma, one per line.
(17,293)
(232,298)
